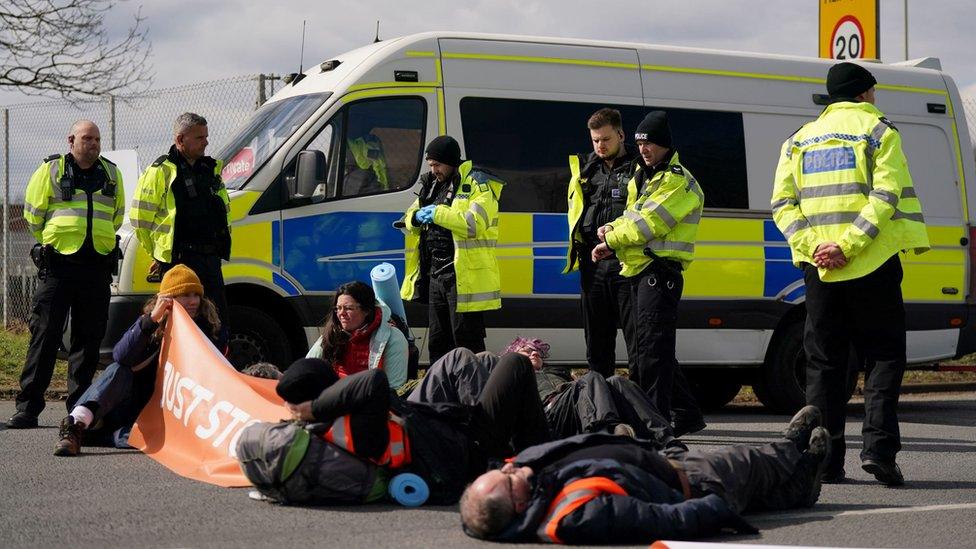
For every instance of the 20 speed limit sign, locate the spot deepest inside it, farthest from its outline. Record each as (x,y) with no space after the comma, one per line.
(847,40)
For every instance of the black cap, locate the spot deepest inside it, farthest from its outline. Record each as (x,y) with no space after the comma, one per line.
(848,80)
(304,380)
(654,128)
(444,149)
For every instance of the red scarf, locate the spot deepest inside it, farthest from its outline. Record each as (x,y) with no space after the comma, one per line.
(355,357)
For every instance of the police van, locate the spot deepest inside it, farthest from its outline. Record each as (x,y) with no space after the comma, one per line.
(320,174)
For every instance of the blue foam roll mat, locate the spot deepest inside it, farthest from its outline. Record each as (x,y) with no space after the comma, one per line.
(409,490)
(387,288)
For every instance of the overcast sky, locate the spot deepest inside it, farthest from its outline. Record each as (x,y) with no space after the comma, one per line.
(196,40)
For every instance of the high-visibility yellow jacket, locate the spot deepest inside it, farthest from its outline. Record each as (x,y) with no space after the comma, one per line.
(843,178)
(64,223)
(153,213)
(663,218)
(472,219)
(369,156)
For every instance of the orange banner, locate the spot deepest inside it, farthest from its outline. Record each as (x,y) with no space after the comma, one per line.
(200,406)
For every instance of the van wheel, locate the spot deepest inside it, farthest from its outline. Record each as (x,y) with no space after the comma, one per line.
(713,389)
(256,337)
(781,383)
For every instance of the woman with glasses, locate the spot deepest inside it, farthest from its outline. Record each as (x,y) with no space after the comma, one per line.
(358,336)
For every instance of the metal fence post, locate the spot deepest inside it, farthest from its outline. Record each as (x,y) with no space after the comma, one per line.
(262,97)
(6,217)
(111,120)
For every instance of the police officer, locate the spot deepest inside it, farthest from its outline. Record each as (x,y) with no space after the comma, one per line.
(844,199)
(74,205)
(597,195)
(181,210)
(655,240)
(452,229)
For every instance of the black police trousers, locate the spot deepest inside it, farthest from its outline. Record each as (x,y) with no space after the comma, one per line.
(869,313)
(85,291)
(656,292)
(605,301)
(447,328)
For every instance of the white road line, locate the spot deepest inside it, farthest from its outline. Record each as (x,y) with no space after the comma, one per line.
(861,512)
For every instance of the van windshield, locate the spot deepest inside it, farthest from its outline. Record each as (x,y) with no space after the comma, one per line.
(257,139)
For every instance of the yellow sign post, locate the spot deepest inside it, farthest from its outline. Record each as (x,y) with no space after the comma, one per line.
(849,29)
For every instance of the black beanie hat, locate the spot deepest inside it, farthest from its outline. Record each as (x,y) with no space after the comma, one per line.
(848,80)
(654,128)
(444,149)
(304,380)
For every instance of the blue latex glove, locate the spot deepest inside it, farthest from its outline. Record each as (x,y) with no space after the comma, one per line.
(425,215)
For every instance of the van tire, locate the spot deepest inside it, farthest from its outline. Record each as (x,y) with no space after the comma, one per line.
(255,336)
(781,382)
(713,388)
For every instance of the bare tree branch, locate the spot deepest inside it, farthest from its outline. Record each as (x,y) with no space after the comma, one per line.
(63,47)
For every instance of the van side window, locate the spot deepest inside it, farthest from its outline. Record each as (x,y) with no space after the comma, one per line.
(382,145)
(527,142)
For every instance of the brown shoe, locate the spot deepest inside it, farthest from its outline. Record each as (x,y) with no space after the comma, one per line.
(70,438)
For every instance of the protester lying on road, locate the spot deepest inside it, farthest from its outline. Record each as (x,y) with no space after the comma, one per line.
(589,404)
(358,336)
(599,489)
(107,410)
(448,444)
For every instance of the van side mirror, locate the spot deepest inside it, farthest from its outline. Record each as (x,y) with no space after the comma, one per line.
(310,171)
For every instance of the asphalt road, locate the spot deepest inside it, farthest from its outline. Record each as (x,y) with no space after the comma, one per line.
(121,498)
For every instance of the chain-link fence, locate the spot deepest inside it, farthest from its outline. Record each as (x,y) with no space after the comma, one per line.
(31,132)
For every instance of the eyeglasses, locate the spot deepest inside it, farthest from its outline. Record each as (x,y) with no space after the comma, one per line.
(346,308)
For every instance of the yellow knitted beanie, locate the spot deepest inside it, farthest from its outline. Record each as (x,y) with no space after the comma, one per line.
(180,280)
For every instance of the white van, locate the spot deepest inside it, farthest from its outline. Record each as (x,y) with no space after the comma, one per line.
(305,223)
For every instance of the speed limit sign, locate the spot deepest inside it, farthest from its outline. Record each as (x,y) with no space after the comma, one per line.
(847,40)
(849,29)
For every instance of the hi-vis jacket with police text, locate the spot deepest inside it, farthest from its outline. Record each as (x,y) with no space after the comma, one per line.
(153,213)
(64,223)
(581,168)
(843,178)
(664,217)
(604,501)
(472,219)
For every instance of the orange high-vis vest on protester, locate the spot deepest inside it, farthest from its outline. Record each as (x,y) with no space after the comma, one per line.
(571,497)
(397,452)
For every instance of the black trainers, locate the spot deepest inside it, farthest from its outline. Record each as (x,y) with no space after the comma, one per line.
(818,449)
(887,473)
(802,425)
(70,438)
(22,420)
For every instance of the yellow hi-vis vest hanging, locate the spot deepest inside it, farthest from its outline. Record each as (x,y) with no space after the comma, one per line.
(397,452)
(571,497)
(472,219)
(663,219)
(844,178)
(63,224)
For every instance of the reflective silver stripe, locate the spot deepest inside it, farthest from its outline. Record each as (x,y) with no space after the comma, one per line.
(782,203)
(143,205)
(693,218)
(35,228)
(142,224)
(32,210)
(475,243)
(98,214)
(869,228)
(494,222)
(908,192)
(662,212)
(910,216)
(876,134)
(483,296)
(797,225)
(672,245)
(69,212)
(886,196)
(339,435)
(833,218)
(476,208)
(55,168)
(104,200)
(835,189)
(641,223)
(572,497)
(472,224)
(161,227)
(396,449)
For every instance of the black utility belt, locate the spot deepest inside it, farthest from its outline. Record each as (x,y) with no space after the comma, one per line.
(666,265)
(57,259)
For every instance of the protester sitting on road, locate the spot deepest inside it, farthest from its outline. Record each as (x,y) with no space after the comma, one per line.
(449,443)
(589,404)
(107,410)
(600,489)
(358,336)
(264,370)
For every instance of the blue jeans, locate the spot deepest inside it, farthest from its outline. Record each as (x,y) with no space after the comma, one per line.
(116,398)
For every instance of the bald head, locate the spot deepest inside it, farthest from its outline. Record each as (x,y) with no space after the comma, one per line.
(85,143)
